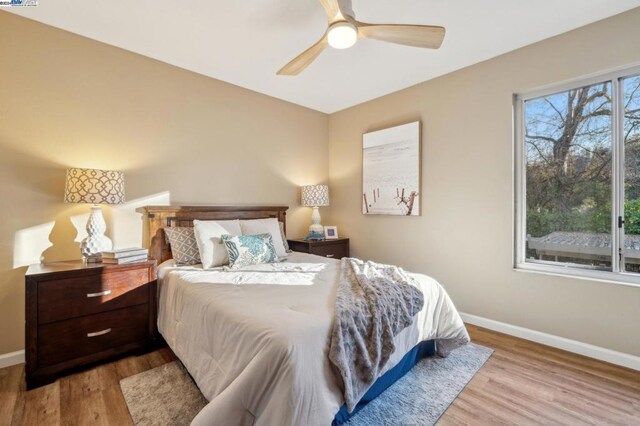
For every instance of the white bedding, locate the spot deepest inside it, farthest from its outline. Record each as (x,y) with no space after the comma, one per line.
(256,340)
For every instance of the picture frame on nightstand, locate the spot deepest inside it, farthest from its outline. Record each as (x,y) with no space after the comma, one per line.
(331,232)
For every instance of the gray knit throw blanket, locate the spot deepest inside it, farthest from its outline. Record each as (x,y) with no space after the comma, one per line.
(374,302)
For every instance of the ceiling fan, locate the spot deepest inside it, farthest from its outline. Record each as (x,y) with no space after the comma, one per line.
(344,30)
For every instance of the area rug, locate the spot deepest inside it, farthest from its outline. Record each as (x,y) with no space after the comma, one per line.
(165,395)
(168,396)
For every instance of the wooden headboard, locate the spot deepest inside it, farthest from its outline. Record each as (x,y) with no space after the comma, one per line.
(159,217)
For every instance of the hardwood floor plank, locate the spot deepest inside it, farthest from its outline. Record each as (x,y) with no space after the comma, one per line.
(553,380)
(117,412)
(522,383)
(10,379)
(132,365)
(556,357)
(160,357)
(40,406)
(561,387)
(20,403)
(108,376)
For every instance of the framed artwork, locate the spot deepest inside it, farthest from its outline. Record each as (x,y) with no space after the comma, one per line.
(331,232)
(391,171)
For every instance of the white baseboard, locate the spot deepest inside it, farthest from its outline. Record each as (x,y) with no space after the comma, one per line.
(597,352)
(12,358)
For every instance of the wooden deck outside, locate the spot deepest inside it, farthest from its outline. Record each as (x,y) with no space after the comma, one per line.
(582,245)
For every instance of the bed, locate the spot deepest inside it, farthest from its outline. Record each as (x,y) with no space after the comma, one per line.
(255,341)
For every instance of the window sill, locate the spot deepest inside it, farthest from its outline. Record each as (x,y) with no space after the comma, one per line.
(619,278)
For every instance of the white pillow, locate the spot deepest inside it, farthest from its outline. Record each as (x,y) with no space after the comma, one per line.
(213,252)
(265,226)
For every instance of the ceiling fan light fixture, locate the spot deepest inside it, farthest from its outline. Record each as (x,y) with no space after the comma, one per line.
(342,35)
(344,31)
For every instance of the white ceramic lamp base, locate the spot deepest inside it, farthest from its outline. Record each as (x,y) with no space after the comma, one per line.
(315,222)
(316,230)
(96,242)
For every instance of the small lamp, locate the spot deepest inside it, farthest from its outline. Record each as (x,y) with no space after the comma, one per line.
(315,196)
(95,187)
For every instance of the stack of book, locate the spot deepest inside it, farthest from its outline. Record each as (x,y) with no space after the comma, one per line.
(126,255)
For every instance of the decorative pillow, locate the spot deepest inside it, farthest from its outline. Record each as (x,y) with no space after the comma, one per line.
(246,250)
(284,238)
(265,226)
(183,245)
(208,232)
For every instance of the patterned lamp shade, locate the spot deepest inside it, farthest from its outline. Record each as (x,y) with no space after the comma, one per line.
(94,186)
(315,195)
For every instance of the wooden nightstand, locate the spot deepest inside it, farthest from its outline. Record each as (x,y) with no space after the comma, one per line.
(79,313)
(338,248)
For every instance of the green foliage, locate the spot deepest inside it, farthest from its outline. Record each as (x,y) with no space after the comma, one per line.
(632,217)
(594,218)
(541,223)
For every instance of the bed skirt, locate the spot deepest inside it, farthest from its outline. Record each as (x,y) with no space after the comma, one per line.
(420,351)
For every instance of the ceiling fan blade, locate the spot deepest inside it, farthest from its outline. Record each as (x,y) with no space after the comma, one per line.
(346,8)
(331,7)
(337,10)
(303,60)
(427,36)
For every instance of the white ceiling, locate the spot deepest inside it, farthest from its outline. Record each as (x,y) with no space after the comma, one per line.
(246,42)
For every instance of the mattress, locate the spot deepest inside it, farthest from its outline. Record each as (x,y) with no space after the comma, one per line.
(256,340)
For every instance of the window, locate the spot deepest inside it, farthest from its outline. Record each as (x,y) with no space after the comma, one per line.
(578,179)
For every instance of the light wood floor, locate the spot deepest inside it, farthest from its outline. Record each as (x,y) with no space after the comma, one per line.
(522,383)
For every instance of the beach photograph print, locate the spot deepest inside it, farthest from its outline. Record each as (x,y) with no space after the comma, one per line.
(391,171)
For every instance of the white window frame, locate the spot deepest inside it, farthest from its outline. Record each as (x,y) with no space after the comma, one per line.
(617,181)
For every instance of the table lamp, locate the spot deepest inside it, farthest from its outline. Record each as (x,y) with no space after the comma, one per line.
(315,196)
(94,187)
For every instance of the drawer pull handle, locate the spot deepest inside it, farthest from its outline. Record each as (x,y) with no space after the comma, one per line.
(99,333)
(330,255)
(102,293)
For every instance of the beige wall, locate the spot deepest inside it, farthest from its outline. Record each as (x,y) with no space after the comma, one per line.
(464,236)
(178,136)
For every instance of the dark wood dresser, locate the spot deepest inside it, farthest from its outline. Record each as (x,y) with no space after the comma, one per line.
(337,248)
(78,313)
